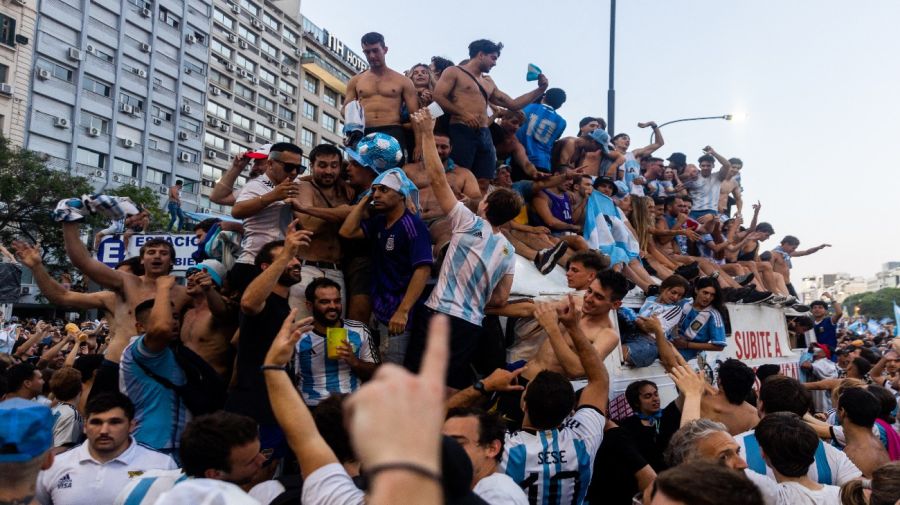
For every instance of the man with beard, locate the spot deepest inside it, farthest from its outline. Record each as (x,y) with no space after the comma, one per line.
(401,257)
(322,257)
(466,94)
(381,91)
(264,305)
(209,325)
(319,376)
(461,180)
(95,471)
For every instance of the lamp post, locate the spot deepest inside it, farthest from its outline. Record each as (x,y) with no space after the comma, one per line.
(726,117)
(611,94)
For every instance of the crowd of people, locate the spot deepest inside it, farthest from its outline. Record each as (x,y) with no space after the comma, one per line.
(342,342)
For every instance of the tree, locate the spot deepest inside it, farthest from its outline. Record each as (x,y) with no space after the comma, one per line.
(148,199)
(29,192)
(874,304)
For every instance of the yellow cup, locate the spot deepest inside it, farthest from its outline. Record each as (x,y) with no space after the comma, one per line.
(334,337)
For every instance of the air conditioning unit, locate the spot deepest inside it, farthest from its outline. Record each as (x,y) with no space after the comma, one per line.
(268,58)
(187,70)
(257,24)
(182,135)
(74,54)
(43,74)
(145,47)
(214,122)
(90,49)
(139,71)
(232,37)
(211,154)
(251,138)
(25,290)
(133,182)
(162,189)
(186,109)
(190,38)
(157,121)
(285,69)
(61,122)
(5,89)
(273,119)
(215,91)
(185,157)
(98,173)
(146,13)
(235,8)
(297,51)
(20,2)
(93,132)
(225,128)
(229,67)
(242,44)
(243,73)
(116,178)
(288,99)
(126,108)
(127,143)
(253,79)
(282,124)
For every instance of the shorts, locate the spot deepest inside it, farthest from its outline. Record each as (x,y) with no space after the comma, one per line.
(641,350)
(395,131)
(358,276)
(464,338)
(115,228)
(241,275)
(697,214)
(474,149)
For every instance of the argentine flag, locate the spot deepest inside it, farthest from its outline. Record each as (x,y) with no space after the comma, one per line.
(873,327)
(605,229)
(896,318)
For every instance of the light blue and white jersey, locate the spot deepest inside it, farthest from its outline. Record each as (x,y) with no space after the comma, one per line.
(476,261)
(704,326)
(669,315)
(554,466)
(147,488)
(831,466)
(160,414)
(319,377)
(705,192)
(631,170)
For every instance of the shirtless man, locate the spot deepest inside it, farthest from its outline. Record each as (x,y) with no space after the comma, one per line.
(503,134)
(782,254)
(731,189)
(587,152)
(461,180)
(325,189)
(208,326)
(466,94)
(381,91)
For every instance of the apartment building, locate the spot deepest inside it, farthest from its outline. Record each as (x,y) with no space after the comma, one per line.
(17,18)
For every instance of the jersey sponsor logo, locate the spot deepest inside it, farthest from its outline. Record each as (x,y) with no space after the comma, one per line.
(389,245)
(64,482)
(477,233)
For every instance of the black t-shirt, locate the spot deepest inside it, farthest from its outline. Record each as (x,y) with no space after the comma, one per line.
(646,440)
(249,395)
(618,459)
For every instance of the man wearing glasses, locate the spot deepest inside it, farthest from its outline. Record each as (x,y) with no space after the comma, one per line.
(265,204)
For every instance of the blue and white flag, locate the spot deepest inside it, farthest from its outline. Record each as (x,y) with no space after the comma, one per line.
(873,327)
(856,327)
(605,229)
(896,318)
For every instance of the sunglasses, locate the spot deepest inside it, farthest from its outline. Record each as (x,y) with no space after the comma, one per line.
(193,270)
(292,167)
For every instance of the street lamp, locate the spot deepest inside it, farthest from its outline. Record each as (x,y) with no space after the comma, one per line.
(611,93)
(726,117)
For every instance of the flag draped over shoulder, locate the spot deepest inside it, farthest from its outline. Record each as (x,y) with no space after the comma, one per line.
(896,318)
(605,230)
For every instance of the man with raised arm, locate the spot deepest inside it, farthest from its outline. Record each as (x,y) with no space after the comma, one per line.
(381,91)
(479,265)
(466,94)
(704,186)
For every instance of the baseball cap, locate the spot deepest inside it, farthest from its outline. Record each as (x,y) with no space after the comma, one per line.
(608,181)
(601,137)
(26,430)
(377,151)
(261,153)
(677,159)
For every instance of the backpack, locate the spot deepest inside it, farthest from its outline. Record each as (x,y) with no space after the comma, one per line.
(204,391)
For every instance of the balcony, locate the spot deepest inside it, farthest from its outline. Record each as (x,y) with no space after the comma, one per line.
(330,74)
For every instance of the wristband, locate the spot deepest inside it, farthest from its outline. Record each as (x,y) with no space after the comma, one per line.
(404,466)
(282,368)
(479,386)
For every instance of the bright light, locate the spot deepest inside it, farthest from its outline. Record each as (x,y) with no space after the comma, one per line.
(737,116)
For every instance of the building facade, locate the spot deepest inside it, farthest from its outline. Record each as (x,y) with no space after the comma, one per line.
(17,19)
(118,90)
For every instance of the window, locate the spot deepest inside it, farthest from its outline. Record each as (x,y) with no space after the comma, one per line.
(4,73)
(307,138)
(193,67)
(89,121)
(328,122)
(265,103)
(189,124)
(237,149)
(241,121)
(280,137)
(58,71)
(243,91)
(289,35)
(214,141)
(156,177)
(248,35)
(268,48)
(267,76)
(211,172)
(286,114)
(250,7)
(125,167)
(264,131)
(160,113)
(101,54)
(288,89)
(219,78)
(309,111)
(90,158)
(217,110)
(223,18)
(220,48)
(271,22)
(193,157)
(330,97)
(244,62)
(93,85)
(132,101)
(168,18)
(311,84)
(7,30)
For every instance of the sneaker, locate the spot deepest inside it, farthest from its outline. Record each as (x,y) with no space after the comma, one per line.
(546,259)
(743,280)
(799,307)
(689,272)
(653,290)
(756,297)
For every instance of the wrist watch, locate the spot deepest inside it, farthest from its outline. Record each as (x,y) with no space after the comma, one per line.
(479,386)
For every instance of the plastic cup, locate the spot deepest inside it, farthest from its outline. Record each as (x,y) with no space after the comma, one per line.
(334,337)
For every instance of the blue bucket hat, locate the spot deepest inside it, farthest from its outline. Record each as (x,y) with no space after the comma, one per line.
(397,180)
(601,137)
(26,430)
(377,151)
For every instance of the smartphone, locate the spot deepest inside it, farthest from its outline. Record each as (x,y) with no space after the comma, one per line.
(435,110)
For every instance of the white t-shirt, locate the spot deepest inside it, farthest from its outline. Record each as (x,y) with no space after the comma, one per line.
(264,226)
(705,192)
(500,489)
(76,478)
(68,425)
(841,468)
(331,485)
(793,493)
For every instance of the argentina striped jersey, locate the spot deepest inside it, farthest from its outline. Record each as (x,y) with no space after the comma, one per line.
(319,377)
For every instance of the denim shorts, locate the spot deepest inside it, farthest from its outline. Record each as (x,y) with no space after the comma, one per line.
(642,350)
(697,214)
(473,148)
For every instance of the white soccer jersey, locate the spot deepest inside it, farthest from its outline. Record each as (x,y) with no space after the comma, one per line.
(476,261)
(705,192)
(554,466)
(320,377)
(831,466)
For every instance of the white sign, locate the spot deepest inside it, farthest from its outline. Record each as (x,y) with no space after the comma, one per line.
(112,250)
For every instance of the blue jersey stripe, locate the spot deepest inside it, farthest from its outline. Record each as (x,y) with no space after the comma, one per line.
(308,387)
(545,491)
(140,491)
(558,497)
(477,279)
(515,463)
(584,470)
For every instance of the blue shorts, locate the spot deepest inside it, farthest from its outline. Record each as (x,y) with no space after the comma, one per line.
(642,350)
(697,214)
(473,149)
